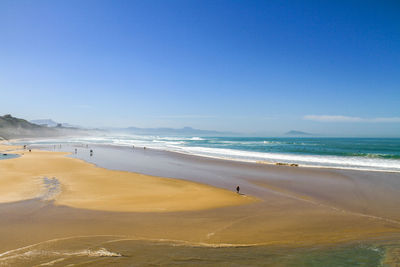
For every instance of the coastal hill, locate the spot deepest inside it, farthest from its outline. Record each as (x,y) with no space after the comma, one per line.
(45,122)
(12,127)
(8,121)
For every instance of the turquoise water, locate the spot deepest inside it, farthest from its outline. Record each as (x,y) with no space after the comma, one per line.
(372,148)
(378,154)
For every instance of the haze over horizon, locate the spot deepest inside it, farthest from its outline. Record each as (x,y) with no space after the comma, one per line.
(331,68)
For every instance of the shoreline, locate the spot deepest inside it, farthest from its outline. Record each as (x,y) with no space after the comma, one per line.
(286,164)
(298,164)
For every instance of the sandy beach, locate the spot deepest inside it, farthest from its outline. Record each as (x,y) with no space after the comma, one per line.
(75,183)
(52,202)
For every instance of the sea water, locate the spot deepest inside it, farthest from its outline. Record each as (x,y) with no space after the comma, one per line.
(376,154)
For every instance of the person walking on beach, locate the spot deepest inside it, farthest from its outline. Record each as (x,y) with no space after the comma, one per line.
(238,189)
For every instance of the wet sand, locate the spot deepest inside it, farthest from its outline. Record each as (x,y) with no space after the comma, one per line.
(296,207)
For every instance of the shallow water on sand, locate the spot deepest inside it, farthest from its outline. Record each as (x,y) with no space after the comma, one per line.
(125,251)
(8,156)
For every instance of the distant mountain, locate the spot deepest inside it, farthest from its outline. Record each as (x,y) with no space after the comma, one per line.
(45,122)
(297,133)
(174,131)
(51,123)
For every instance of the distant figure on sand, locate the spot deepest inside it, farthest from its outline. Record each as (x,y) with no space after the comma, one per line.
(30,150)
(144,147)
(76,150)
(238,189)
(91,152)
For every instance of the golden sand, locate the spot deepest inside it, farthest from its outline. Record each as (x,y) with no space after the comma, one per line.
(83,185)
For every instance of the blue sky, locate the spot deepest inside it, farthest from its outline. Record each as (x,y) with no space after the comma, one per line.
(328,67)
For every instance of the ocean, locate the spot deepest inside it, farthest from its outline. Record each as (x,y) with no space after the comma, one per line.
(373,154)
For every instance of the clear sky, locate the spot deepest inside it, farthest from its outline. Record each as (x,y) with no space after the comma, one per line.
(329,67)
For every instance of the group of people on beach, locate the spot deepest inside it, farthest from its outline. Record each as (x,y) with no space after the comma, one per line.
(91,151)
(30,150)
(134,147)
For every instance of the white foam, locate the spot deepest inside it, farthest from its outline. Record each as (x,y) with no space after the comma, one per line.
(306,160)
(101,252)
